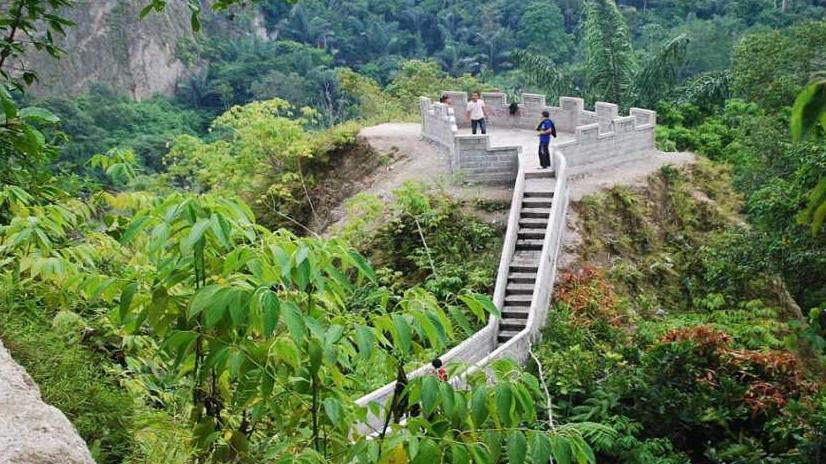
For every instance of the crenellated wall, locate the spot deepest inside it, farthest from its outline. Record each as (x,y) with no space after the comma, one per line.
(471,156)
(601,137)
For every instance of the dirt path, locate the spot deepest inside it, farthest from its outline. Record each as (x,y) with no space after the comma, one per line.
(413,159)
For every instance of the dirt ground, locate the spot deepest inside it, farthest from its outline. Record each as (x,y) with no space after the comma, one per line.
(413,158)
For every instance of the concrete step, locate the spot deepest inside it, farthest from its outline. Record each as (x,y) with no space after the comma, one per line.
(515,312)
(519,289)
(522,277)
(529,244)
(536,202)
(505,335)
(541,174)
(535,213)
(533,223)
(518,300)
(512,324)
(538,194)
(531,233)
(523,267)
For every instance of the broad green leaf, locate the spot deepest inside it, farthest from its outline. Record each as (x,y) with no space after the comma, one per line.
(487,304)
(36,114)
(286,351)
(504,402)
(179,343)
(474,306)
(460,318)
(429,394)
(214,313)
(235,360)
(315,353)
(517,447)
(134,227)
(271,309)
(221,229)
(540,448)
(459,454)
(428,453)
(582,452)
(203,298)
(446,398)
(126,297)
(479,406)
(403,337)
(7,103)
(362,265)
(195,234)
(332,407)
(481,454)
(294,320)
(365,340)
(809,110)
(561,449)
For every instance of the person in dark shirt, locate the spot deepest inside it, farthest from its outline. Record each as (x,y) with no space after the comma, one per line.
(547,131)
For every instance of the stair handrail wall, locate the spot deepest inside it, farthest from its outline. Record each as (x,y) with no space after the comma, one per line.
(518,347)
(473,349)
(546,273)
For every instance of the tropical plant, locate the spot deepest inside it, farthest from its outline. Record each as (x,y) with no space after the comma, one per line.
(611,62)
(808,111)
(612,68)
(707,90)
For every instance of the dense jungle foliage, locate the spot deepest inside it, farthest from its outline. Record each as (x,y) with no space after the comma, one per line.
(163,280)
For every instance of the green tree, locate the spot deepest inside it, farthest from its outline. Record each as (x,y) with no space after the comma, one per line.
(613,70)
(611,63)
(542,30)
(770,68)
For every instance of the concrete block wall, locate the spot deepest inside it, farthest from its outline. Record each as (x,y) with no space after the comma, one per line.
(602,137)
(477,161)
(470,155)
(438,122)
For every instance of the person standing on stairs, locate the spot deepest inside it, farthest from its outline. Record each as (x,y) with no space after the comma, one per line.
(477,113)
(547,131)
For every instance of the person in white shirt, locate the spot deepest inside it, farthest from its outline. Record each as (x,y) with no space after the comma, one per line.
(476,112)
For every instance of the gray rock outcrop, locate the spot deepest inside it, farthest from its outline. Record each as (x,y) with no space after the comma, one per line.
(31,431)
(110,44)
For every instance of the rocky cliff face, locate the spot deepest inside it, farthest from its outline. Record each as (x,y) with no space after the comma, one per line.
(112,45)
(31,431)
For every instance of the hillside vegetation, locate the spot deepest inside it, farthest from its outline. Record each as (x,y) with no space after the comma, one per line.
(162,280)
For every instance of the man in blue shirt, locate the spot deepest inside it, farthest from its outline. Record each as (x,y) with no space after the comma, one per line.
(547,131)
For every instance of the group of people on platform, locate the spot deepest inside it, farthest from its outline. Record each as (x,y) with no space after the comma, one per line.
(477,114)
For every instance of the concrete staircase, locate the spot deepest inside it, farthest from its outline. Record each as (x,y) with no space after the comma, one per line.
(537,200)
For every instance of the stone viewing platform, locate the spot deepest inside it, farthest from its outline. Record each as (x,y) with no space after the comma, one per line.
(590,139)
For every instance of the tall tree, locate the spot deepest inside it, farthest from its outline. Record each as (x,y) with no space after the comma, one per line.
(611,62)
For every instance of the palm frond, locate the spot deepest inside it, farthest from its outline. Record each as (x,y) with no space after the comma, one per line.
(707,89)
(541,71)
(658,73)
(611,63)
